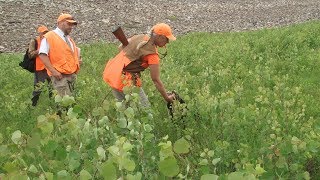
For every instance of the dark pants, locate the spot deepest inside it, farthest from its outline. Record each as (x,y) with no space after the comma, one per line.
(40,77)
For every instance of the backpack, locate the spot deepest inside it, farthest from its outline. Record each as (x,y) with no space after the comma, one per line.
(29,63)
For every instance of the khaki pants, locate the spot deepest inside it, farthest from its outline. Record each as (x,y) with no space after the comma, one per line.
(120,96)
(64,86)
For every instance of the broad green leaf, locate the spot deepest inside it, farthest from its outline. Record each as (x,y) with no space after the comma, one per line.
(306,175)
(209,177)
(103,120)
(211,153)
(249,177)
(57,99)
(98,112)
(87,126)
(42,119)
(85,175)
(16,176)
(108,171)
(4,151)
(16,137)
(119,105)
(138,176)
(77,109)
(114,150)
(166,151)
(33,169)
(101,153)
(127,146)
(302,145)
(63,174)
(259,170)
(236,176)
(122,122)
(215,161)
(67,101)
(205,170)
(204,162)
(61,153)
(10,167)
(45,126)
(147,128)
(129,112)
(181,146)
(49,175)
(166,137)
(23,162)
(294,167)
(34,140)
(169,167)
(72,114)
(295,140)
(203,154)
(281,163)
(49,148)
(73,164)
(128,164)
(313,146)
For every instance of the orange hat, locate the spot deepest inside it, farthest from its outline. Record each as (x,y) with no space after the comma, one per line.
(42,29)
(66,17)
(163,29)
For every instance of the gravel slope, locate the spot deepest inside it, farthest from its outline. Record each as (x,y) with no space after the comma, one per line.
(97,18)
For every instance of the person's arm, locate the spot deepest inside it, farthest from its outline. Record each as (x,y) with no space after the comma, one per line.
(33,52)
(46,61)
(155,76)
(79,56)
(43,54)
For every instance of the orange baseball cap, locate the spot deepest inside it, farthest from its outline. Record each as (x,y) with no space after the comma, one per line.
(42,29)
(66,17)
(163,29)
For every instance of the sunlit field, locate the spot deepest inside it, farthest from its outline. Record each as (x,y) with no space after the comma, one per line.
(251,112)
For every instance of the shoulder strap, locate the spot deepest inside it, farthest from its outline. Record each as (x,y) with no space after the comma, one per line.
(36,44)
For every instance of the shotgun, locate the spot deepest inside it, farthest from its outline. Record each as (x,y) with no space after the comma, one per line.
(118,33)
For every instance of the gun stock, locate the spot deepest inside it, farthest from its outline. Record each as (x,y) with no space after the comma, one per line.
(118,33)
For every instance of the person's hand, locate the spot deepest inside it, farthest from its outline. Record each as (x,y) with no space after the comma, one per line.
(57,74)
(170,98)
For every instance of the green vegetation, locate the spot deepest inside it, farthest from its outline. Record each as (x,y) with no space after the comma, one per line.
(252,113)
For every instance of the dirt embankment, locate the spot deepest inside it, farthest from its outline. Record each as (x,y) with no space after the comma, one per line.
(97,18)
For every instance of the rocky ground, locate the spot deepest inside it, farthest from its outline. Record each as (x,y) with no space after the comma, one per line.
(97,18)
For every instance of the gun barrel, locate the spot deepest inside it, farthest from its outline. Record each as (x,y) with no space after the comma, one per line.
(118,33)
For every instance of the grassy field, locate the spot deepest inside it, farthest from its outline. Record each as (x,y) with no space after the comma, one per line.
(252,112)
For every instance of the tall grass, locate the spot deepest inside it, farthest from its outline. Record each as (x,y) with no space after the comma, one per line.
(249,95)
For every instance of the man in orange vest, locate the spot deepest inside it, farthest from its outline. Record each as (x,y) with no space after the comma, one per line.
(40,74)
(141,52)
(60,55)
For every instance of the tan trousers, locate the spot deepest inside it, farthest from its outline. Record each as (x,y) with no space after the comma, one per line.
(64,86)
(120,96)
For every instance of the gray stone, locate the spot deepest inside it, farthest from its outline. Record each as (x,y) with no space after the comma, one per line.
(97,18)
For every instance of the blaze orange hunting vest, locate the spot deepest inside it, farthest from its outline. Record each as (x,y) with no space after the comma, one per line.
(138,47)
(39,64)
(61,56)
